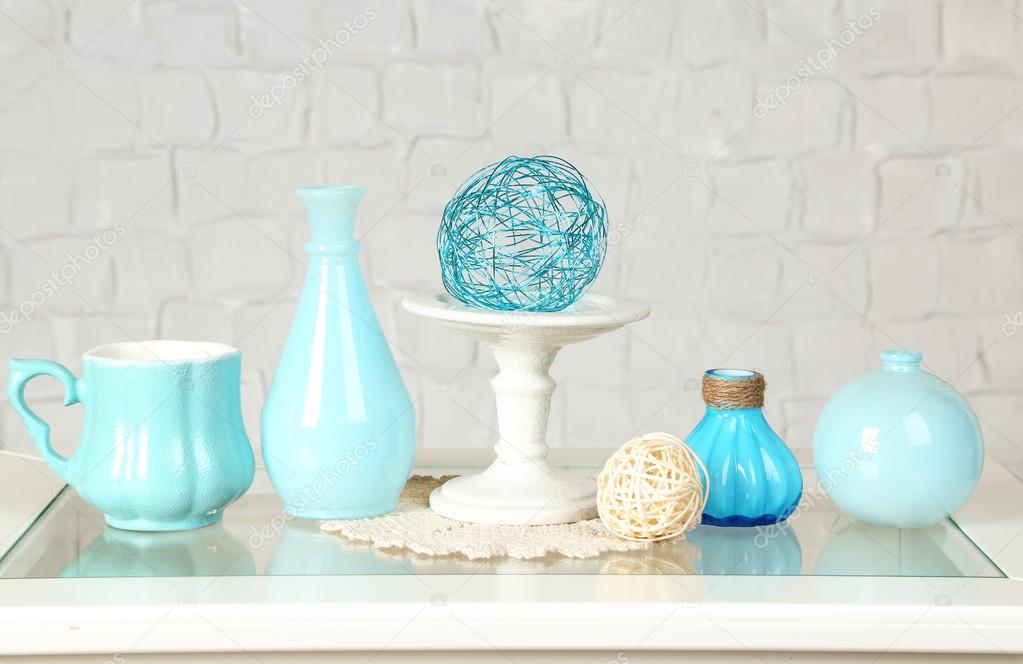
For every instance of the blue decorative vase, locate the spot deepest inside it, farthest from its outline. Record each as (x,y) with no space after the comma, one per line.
(754,479)
(898,447)
(338,427)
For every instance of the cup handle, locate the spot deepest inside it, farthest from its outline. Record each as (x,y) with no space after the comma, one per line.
(22,371)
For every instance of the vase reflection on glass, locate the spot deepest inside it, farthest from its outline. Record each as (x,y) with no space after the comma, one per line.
(338,425)
(304,550)
(774,550)
(754,478)
(861,549)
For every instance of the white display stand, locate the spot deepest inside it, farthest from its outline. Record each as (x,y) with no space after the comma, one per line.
(521,487)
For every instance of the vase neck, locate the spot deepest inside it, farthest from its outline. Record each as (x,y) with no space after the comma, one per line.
(735,389)
(900,361)
(331,214)
(740,413)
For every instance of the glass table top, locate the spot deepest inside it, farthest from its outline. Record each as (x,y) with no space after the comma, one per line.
(70,540)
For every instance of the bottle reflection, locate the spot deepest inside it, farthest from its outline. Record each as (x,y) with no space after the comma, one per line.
(209,551)
(302,549)
(764,550)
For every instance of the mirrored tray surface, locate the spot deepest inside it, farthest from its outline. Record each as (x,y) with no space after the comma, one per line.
(70,540)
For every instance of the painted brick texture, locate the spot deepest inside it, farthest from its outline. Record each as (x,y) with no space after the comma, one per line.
(793,186)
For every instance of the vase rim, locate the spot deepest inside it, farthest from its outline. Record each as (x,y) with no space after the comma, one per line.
(161,351)
(901,360)
(330,190)
(732,374)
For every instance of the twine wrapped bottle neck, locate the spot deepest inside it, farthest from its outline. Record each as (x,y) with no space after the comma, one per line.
(731,389)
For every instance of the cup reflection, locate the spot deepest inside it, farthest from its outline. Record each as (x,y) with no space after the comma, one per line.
(209,551)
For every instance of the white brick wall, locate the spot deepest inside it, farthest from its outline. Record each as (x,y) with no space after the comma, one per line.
(878,204)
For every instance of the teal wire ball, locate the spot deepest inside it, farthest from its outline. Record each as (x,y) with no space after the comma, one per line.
(524,234)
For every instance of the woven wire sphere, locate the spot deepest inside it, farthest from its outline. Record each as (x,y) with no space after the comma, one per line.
(524,234)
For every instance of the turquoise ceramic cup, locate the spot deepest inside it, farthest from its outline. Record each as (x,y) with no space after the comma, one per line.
(898,447)
(163,446)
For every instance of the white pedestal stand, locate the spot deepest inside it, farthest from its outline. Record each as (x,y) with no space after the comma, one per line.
(520,487)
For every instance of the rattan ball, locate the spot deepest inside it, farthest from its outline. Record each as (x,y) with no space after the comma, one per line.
(652,489)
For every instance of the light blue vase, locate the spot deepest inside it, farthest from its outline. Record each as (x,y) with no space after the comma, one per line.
(163,446)
(898,447)
(338,425)
(754,479)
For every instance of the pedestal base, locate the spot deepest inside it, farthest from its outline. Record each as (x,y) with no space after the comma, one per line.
(527,493)
(521,487)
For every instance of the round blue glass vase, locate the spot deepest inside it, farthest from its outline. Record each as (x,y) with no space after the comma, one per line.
(898,447)
(754,478)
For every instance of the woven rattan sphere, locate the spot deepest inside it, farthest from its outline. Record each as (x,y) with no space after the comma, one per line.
(524,234)
(652,489)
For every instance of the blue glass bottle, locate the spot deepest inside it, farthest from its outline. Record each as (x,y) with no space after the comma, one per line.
(338,425)
(754,478)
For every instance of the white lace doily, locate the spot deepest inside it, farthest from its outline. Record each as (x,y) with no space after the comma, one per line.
(416,528)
